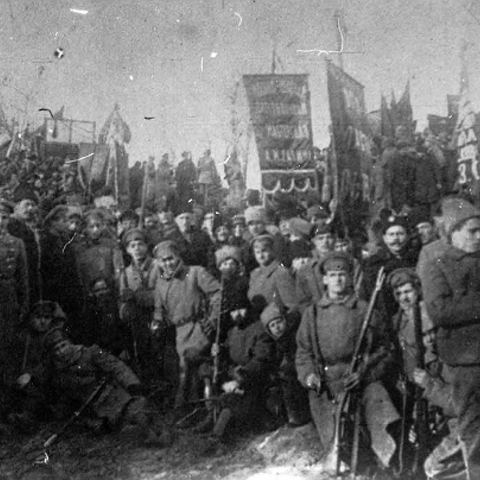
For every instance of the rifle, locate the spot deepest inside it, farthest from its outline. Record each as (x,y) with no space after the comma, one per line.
(421,406)
(332,462)
(43,457)
(216,353)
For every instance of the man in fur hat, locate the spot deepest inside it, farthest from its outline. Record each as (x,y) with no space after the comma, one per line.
(192,243)
(396,251)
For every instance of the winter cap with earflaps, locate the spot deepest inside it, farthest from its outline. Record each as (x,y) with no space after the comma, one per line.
(255,214)
(226,252)
(300,227)
(271,312)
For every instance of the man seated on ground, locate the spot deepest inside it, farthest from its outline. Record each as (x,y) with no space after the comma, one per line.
(287,396)
(27,405)
(326,341)
(407,291)
(118,401)
(248,361)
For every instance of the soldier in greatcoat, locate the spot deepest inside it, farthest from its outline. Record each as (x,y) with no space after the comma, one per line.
(452,296)
(326,341)
(271,281)
(184,298)
(136,303)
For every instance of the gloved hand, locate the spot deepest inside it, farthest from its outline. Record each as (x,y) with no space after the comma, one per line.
(313,382)
(215,350)
(144,298)
(23,380)
(354,379)
(238,374)
(158,328)
(127,295)
(238,315)
(420,377)
(232,387)
(208,327)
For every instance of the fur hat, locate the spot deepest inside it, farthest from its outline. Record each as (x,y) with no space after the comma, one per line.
(322,229)
(300,227)
(419,215)
(269,313)
(54,214)
(185,207)
(457,211)
(317,211)
(394,221)
(128,215)
(23,192)
(255,214)
(225,252)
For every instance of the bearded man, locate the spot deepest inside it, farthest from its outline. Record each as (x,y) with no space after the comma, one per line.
(395,252)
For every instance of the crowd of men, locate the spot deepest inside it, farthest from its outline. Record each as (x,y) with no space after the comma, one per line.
(252,314)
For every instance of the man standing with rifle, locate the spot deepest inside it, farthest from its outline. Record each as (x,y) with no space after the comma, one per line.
(332,332)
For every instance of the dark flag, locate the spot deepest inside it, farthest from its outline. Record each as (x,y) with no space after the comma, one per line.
(467,132)
(351,142)
(387,127)
(404,112)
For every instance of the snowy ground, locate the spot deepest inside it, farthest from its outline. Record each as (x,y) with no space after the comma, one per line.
(283,454)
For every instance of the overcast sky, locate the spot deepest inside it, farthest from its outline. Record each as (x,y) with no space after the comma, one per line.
(178,61)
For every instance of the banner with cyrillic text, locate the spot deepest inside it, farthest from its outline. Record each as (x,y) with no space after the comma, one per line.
(281,117)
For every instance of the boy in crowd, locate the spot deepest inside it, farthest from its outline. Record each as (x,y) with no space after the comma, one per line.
(107,330)
(137,284)
(293,397)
